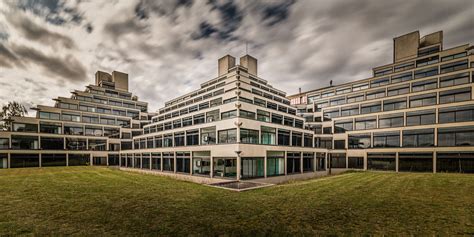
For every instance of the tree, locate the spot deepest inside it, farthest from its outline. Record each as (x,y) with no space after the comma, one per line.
(11,109)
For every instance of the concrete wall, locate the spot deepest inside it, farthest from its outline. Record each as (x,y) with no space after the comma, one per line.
(406,46)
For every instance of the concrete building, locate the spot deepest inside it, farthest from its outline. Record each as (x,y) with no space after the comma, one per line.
(415,114)
(88,128)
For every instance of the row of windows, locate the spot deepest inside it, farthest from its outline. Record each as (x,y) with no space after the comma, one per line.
(452,80)
(450,96)
(447,137)
(106,101)
(111,93)
(207,136)
(421,73)
(97,109)
(267,95)
(55,143)
(413,118)
(85,118)
(68,129)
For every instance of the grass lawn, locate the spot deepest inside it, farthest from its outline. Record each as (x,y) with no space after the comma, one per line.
(102,201)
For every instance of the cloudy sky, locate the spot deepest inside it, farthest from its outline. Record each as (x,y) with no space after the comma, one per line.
(50,47)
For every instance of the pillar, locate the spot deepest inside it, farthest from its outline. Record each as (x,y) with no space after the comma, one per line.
(174,160)
(434,161)
(265,166)
(212,167)
(238,167)
(190,163)
(39,157)
(8,160)
(301,162)
(396,162)
(67,159)
(286,164)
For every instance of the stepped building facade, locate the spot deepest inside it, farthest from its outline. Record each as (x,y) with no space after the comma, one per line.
(416,114)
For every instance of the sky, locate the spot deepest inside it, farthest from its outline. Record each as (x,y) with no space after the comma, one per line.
(49,47)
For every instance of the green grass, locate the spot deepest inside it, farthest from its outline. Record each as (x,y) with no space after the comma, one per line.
(101,201)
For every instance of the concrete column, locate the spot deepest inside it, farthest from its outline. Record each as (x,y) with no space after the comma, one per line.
(67,159)
(39,157)
(434,161)
(314,162)
(8,160)
(396,162)
(238,167)
(174,168)
(90,159)
(161,161)
(286,164)
(301,162)
(107,159)
(265,166)
(212,167)
(120,160)
(190,163)
(150,161)
(365,161)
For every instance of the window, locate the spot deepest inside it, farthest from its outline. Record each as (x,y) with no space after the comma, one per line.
(158,141)
(320,105)
(339,144)
(395,104)
(327,130)
(380,82)
(457,95)
(428,51)
(229,114)
(366,123)
(421,117)
(359,141)
(427,61)
(453,80)
(453,56)
(276,118)
(422,100)
(168,140)
(293,162)
(415,162)
(71,117)
(271,105)
(76,144)
(404,66)
(183,162)
(381,161)
(230,100)
(97,145)
(375,94)
(350,110)
(52,143)
(4,143)
(418,138)
(426,72)
(402,77)
(383,71)
(331,113)
(424,85)
(179,139)
(283,137)
(208,135)
(204,105)
(248,136)
(462,162)
(296,139)
(288,121)
(308,140)
(456,114)
(90,119)
(325,143)
(192,137)
(150,143)
(342,126)
(228,136)
(398,90)
(246,114)
(24,142)
(387,139)
(25,127)
(216,102)
(93,131)
(268,135)
(199,119)
(355,98)
(47,115)
(259,102)
(457,136)
(168,161)
(455,66)
(370,107)
(391,120)
(275,163)
(212,116)
(337,160)
(343,90)
(177,123)
(337,101)
(263,115)
(73,130)
(168,126)
(252,167)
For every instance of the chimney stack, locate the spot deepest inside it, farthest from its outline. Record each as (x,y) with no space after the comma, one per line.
(224,64)
(250,63)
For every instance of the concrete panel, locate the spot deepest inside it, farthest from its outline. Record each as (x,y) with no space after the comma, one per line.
(406,46)
(224,64)
(121,80)
(250,63)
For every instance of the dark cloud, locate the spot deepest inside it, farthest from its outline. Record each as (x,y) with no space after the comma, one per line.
(34,32)
(54,11)
(128,26)
(275,13)
(160,8)
(67,68)
(231,18)
(8,59)
(89,28)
